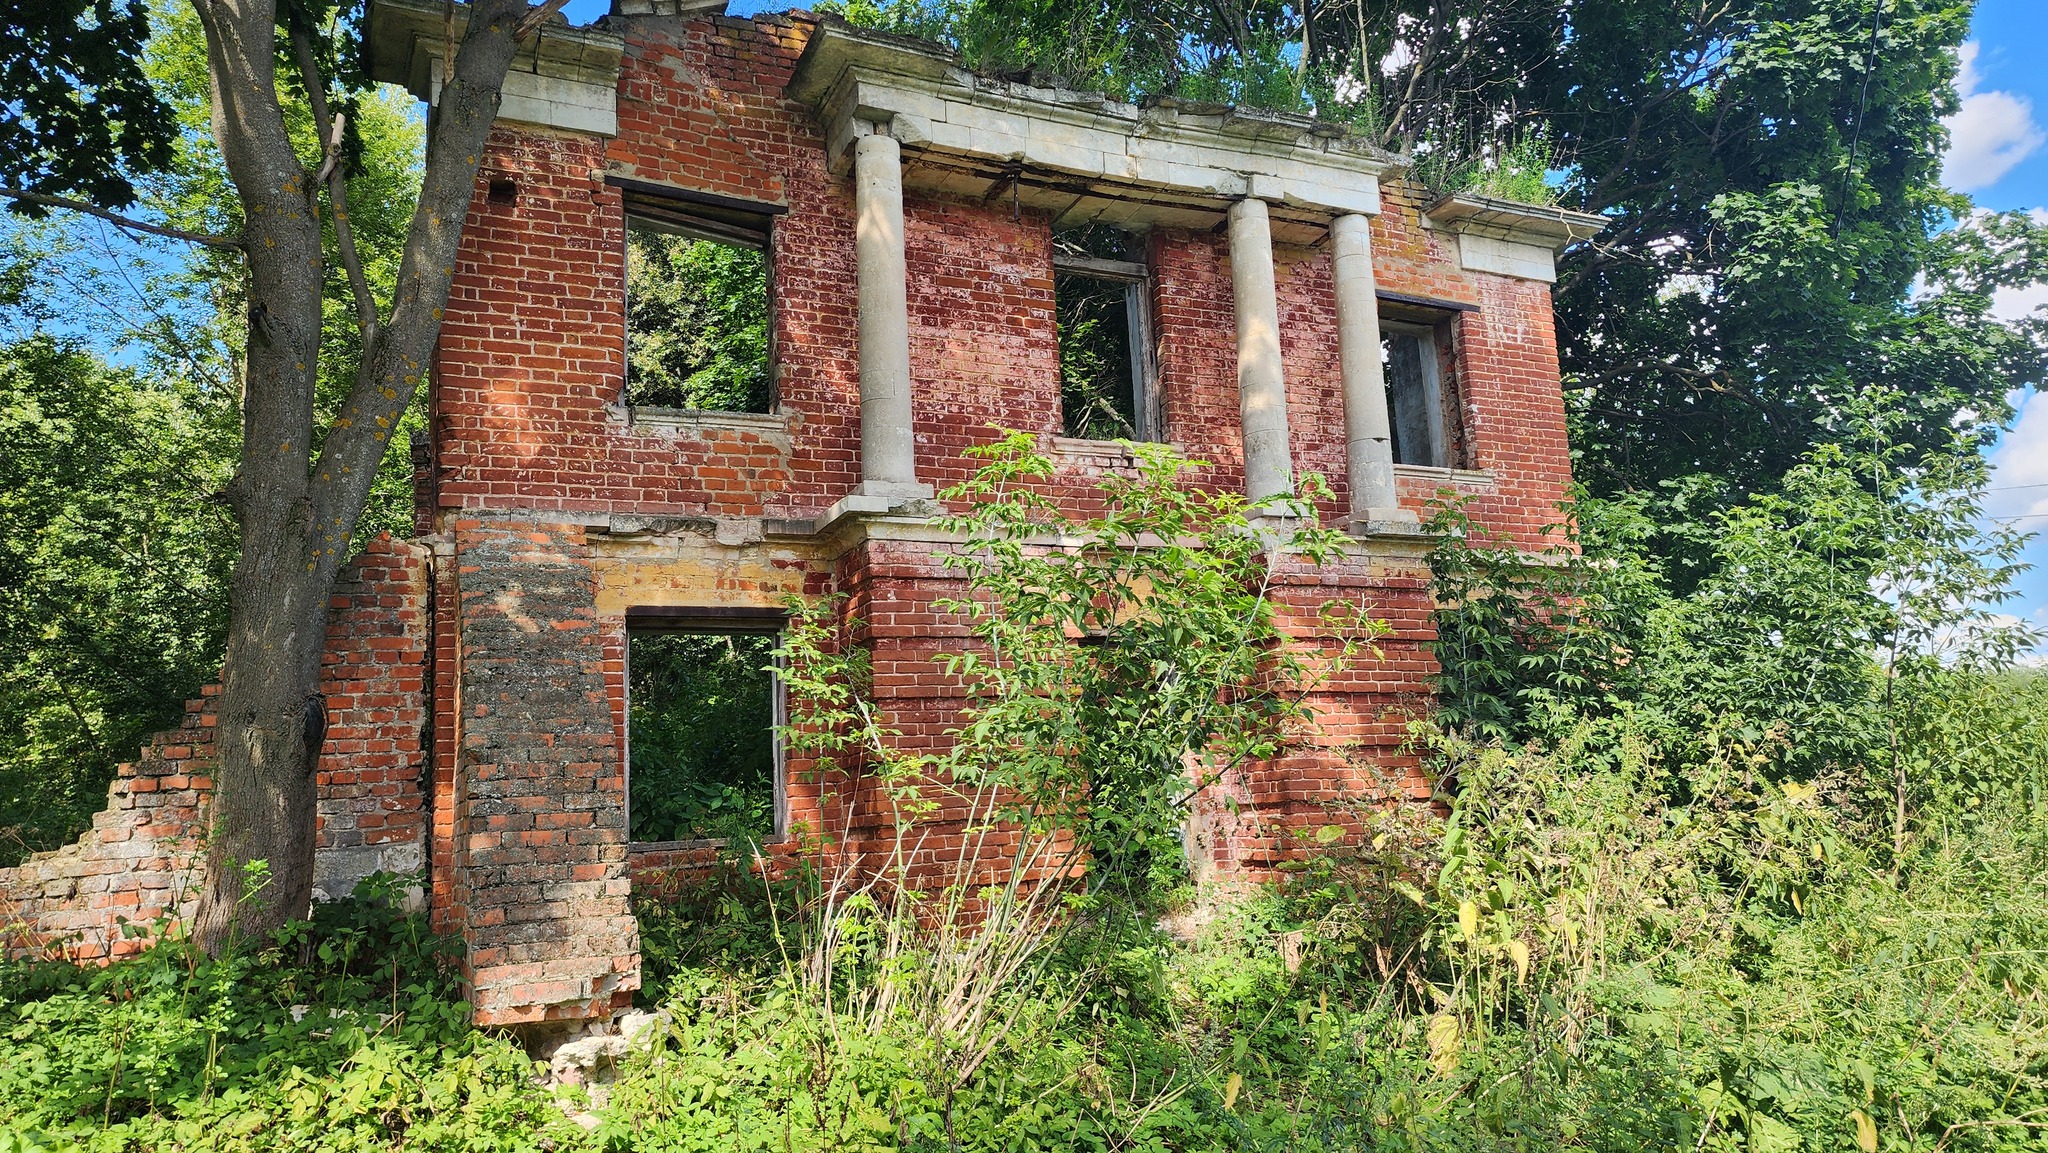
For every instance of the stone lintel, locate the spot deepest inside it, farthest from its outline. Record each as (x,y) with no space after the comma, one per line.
(1507,238)
(565,78)
(1445,477)
(1079,155)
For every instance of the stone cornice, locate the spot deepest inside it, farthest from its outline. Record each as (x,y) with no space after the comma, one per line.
(1509,238)
(1079,155)
(1465,213)
(567,78)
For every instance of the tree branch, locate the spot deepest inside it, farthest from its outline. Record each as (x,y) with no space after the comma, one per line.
(121,221)
(331,170)
(400,358)
(536,18)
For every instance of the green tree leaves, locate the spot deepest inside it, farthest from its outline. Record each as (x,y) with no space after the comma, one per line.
(697,328)
(1824,617)
(113,554)
(79,116)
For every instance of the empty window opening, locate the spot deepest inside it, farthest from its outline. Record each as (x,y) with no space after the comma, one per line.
(697,314)
(1415,400)
(1101,304)
(705,761)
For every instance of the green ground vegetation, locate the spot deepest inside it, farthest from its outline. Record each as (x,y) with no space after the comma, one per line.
(1758,866)
(344,1033)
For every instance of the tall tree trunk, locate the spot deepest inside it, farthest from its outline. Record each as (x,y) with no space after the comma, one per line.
(298,514)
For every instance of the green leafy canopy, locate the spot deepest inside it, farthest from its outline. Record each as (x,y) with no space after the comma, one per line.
(79,116)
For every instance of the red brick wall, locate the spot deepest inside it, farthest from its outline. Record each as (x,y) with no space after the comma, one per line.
(532,365)
(140,859)
(1352,749)
(372,767)
(536,464)
(533,825)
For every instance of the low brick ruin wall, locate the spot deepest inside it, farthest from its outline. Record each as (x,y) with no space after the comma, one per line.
(139,861)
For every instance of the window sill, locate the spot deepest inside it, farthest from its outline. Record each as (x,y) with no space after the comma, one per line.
(1095,453)
(699,419)
(1444,477)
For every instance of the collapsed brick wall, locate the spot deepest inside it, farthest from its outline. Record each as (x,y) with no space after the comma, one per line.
(140,860)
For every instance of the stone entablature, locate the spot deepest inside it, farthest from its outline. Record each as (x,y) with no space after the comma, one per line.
(566,78)
(1080,156)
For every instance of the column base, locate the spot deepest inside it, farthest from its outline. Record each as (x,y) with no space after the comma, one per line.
(894,500)
(896,490)
(1386,522)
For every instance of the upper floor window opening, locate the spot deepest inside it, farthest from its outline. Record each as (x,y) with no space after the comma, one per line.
(1102,306)
(698,287)
(1422,410)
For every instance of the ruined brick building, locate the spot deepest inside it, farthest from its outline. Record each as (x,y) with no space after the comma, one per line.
(925,244)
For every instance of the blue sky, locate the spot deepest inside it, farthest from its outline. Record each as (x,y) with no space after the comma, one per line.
(1999,155)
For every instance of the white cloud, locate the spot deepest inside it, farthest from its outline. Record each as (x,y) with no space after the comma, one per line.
(1967,76)
(1989,134)
(2019,466)
(2018,303)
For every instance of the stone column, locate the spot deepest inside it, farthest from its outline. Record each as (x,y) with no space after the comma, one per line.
(1261,384)
(888,444)
(1369,445)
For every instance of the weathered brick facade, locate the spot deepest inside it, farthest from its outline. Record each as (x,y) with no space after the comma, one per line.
(139,861)
(552,511)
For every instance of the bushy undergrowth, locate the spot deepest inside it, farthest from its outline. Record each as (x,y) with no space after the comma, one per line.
(1755,861)
(1575,956)
(348,1032)
(1748,856)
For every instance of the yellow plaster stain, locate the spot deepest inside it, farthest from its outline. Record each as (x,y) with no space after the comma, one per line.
(705,577)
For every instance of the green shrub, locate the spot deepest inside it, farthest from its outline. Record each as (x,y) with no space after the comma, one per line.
(1731,859)
(347,1032)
